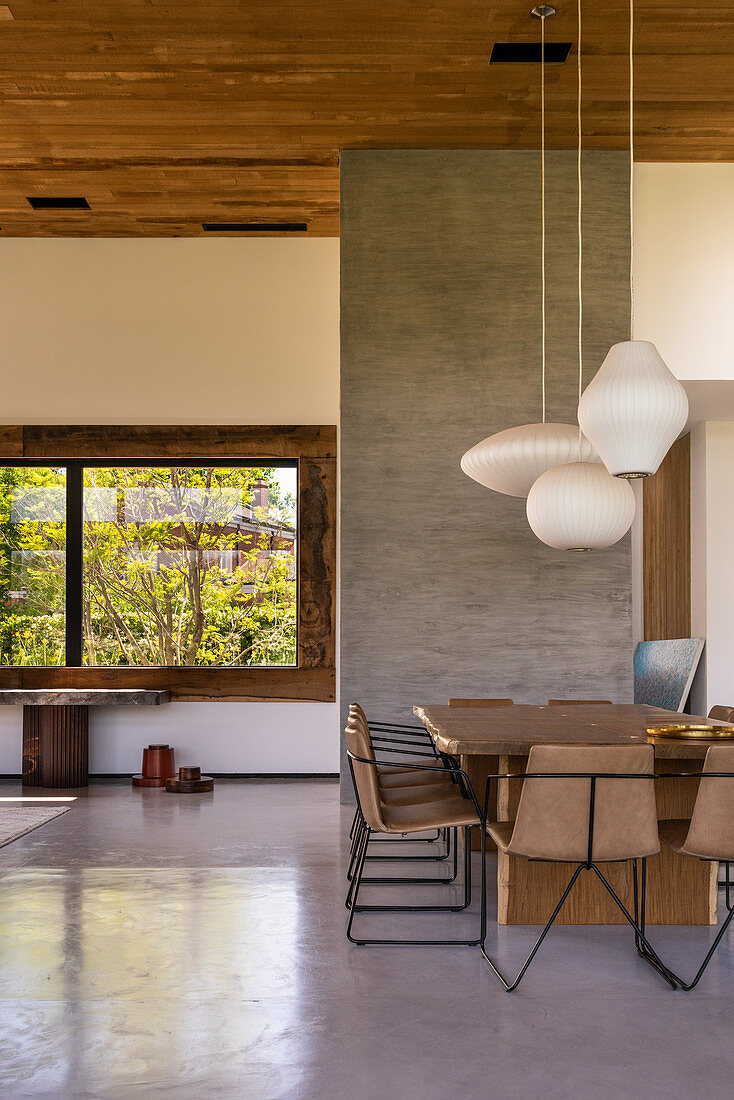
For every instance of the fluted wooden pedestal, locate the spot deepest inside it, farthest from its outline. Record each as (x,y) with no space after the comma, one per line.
(55,746)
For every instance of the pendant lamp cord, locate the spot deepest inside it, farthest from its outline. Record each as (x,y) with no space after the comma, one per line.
(580,239)
(632,171)
(542,202)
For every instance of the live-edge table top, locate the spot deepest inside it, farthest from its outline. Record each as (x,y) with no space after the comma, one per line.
(511,731)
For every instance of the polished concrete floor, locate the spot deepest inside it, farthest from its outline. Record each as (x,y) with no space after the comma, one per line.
(193,946)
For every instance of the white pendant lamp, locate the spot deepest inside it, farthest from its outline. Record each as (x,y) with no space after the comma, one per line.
(634,408)
(580,506)
(510,461)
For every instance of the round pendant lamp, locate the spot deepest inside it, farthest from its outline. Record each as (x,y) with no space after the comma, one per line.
(510,461)
(580,506)
(633,409)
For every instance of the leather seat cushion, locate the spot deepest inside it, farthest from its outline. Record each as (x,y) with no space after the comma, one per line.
(501,833)
(438,814)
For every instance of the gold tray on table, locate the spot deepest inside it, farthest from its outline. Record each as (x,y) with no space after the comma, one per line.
(693,733)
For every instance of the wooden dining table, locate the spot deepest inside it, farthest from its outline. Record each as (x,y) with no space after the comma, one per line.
(492,740)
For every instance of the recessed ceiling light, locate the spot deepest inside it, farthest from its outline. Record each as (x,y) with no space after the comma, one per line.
(528,52)
(58,202)
(255,227)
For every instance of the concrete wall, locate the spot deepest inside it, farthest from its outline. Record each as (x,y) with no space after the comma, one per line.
(177,331)
(445,590)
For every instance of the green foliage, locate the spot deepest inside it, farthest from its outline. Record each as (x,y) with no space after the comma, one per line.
(169,576)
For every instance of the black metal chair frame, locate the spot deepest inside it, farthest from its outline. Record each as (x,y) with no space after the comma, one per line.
(357,879)
(688,986)
(637,921)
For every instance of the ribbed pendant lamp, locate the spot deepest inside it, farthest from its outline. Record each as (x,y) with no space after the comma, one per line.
(634,408)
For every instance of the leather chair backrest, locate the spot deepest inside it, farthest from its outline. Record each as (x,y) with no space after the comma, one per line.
(553,814)
(365,775)
(723,714)
(711,832)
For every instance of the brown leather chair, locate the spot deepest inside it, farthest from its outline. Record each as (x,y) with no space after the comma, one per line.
(576,702)
(723,714)
(381,812)
(587,805)
(404,786)
(481,702)
(709,835)
(399,748)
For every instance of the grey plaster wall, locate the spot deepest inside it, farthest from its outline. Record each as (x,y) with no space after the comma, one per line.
(444,588)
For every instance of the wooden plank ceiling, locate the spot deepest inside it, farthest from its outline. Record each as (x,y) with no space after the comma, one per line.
(165,114)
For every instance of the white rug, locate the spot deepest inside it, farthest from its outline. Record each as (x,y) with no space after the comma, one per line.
(16,821)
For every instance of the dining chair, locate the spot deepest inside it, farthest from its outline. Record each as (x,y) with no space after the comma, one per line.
(709,835)
(576,702)
(439,809)
(421,749)
(722,714)
(587,805)
(399,786)
(481,702)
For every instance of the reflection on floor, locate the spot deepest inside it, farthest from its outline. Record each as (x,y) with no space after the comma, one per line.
(193,946)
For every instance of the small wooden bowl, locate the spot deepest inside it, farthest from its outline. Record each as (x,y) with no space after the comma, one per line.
(189,781)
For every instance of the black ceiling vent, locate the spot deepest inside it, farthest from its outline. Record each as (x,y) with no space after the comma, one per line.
(58,202)
(255,227)
(528,52)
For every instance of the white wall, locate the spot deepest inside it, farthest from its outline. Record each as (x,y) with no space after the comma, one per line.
(177,331)
(684,265)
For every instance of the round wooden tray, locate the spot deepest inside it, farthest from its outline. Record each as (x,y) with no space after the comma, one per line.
(693,733)
(190,786)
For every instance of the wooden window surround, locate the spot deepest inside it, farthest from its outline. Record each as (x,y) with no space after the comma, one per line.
(313,447)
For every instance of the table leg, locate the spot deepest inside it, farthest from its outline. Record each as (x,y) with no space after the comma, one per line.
(478,768)
(55,746)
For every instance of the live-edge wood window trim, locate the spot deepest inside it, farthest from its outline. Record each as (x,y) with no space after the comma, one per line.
(313,447)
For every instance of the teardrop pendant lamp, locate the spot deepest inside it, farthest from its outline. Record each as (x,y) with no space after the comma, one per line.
(580,506)
(511,461)
(634,408)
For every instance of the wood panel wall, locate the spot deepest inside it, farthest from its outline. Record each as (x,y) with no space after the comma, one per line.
(666,553)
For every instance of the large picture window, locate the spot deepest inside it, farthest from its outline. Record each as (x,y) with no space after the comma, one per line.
(215,579)
(180,566)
